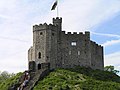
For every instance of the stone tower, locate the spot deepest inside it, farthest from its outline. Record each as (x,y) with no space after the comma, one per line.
(54,46)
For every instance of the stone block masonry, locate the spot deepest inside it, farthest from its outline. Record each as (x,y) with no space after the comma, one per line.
(61,50)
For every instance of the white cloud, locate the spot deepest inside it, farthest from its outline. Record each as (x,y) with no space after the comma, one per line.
(3,16)
(15,63)
(84,14)
(4,4)
(111,42)
(19,16)
(113,59)
(107,35)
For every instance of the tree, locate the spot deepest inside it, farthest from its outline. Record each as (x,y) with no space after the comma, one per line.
(111,69)
(5,75)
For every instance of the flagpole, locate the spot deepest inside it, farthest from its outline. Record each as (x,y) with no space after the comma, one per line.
(57,9)
(56,6)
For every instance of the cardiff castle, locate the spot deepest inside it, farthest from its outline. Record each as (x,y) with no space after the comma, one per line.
(63,49)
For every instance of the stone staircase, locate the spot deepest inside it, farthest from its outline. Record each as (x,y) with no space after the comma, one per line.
(34,78)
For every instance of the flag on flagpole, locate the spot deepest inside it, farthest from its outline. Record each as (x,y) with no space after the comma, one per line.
(54,5)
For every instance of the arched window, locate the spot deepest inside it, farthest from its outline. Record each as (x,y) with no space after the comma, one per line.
(39,55)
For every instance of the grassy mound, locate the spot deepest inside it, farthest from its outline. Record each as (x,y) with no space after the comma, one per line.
(79,78)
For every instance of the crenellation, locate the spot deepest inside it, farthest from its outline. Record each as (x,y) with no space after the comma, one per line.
(97,45)
(57,19)
(69,33)
(63,32)
(64,49)
(101,46)
(50,24)
(40,24)
(44,26)
(81,33)
(87,33)
(75,33)
(52,27)
(94,42)
(40,27)
(35,27)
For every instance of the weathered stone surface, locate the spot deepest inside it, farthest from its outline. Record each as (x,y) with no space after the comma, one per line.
(54,46)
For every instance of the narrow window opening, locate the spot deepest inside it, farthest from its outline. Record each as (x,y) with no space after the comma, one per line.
(39,55)
(78,52)
(69,52)
(41,33)
(52,34)
(73,43)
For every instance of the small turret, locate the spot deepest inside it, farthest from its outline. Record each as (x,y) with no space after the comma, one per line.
(87,33)
(58,21)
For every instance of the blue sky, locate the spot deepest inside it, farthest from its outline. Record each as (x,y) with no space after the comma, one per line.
(100,17)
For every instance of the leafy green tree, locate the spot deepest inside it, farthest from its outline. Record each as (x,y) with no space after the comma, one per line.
(5,75)
(111,69)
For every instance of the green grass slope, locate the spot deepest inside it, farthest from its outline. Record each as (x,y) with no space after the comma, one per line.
(79,79)
(4,85)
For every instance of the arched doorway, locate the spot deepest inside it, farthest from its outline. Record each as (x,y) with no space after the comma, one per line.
(32,65)
(39,66)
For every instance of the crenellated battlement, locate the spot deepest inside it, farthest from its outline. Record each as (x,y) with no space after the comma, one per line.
(81,33)
(94,43)
(69,33)
(63,49)
(63,32)
(57,19)
(44,26)
(77,34)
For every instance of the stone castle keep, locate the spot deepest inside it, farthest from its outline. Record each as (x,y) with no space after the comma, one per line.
(52,45)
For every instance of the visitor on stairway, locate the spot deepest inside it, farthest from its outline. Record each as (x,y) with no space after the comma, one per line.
(26,80)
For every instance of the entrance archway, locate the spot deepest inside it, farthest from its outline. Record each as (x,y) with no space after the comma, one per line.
(32,65)
(39,66)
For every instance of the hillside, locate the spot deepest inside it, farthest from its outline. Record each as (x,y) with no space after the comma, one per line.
(5,84)
(79,78)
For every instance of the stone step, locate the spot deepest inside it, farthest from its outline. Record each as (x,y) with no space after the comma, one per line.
(38,75)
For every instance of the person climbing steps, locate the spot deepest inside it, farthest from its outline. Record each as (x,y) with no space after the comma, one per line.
(25,80)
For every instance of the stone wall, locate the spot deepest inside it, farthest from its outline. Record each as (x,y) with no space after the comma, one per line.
(54,46)
(97,60)
(75,49)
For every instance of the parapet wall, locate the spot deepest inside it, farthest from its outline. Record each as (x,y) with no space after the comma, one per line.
(44,26)
(61,48)
(57,20)
(94,43)
(97,61)
(87,34)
